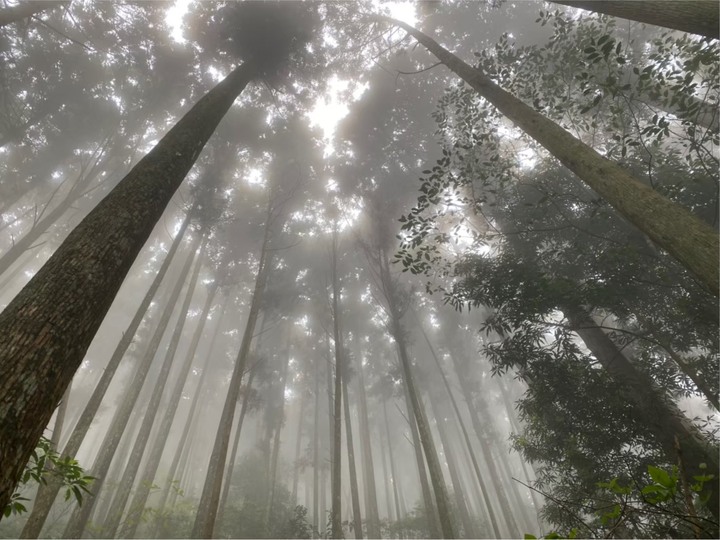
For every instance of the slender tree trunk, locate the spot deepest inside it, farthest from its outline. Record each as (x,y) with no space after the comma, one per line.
(171,476)
(298,445)
(336,517)
(316,448)
(371,507)
(122,493)
(431,513)
(230,467)
(660,416)
(694,16)
(393,475)
(208,505)
(354,492)
(26,10)
(276,442)
(391,511)
(79,517)
(688,239)
(142,491)
(46,330)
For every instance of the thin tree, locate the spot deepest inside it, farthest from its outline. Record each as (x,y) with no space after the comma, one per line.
(695,16)
(354,492)
(46,330)
(335,517)
(688,239)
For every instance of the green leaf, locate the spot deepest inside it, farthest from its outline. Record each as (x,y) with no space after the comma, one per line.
(529,537)
(661,477)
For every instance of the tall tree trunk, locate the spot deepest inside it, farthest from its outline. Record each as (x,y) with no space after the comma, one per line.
(354,492)
(393,475)
(694,16)
(688,239)
(142,491)
(371,507)
(46,330)
(122,491)
(79,517)
(335,517)
(230,466)
(298,445)
(182,444)
(208,505)
(26,10)
(431,513)
(272,477)
(466,437)
(660,416)
(391,511)
(316,449)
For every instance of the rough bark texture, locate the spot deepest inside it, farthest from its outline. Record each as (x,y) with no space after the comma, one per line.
(46,330)
(688,239)
(210,498)
(660,416)
(694,16)
(103,460)
(142,490)
(27,9)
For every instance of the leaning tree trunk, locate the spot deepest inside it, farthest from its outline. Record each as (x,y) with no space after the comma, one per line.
(142,491)
(694,16)
(46,330)
(688,239)
(210,498)
(661,417)
(27,9)
(80,516)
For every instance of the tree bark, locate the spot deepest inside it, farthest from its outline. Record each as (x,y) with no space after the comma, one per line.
(80,516)
(316,449)
(654,410)
(695,16)
(46,330)
(354,492)
(692,242)
(142,490)
(298,444)
(210,498)
(335,517)
(393,474)
(27,9)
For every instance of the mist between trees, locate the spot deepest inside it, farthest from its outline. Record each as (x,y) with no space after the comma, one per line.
(434,269)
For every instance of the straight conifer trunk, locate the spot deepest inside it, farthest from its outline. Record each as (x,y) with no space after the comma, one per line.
(393,474)
(695,16)
(142,490)
(46,330)
(335,517)
(692,242)
(210,498)
(354,492)
(103,460)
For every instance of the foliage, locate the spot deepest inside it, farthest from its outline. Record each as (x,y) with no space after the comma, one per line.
(47,462)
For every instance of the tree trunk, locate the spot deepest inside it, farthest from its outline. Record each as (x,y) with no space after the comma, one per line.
(654,410)
(336,517)
(688,239)
(393,474)
(79,517)
(466,437)
(142,491)
(208,505)
(27,9)
(695,16)
(298,444)
(372,515)
(316,449)
(170,479)
(46,330)
(354,492)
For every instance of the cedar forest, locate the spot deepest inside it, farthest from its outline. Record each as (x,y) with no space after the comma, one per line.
(256,254)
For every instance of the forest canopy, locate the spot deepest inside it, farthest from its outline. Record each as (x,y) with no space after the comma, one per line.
(382,269)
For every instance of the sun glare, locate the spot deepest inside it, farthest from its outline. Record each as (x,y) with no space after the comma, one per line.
(174,19)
